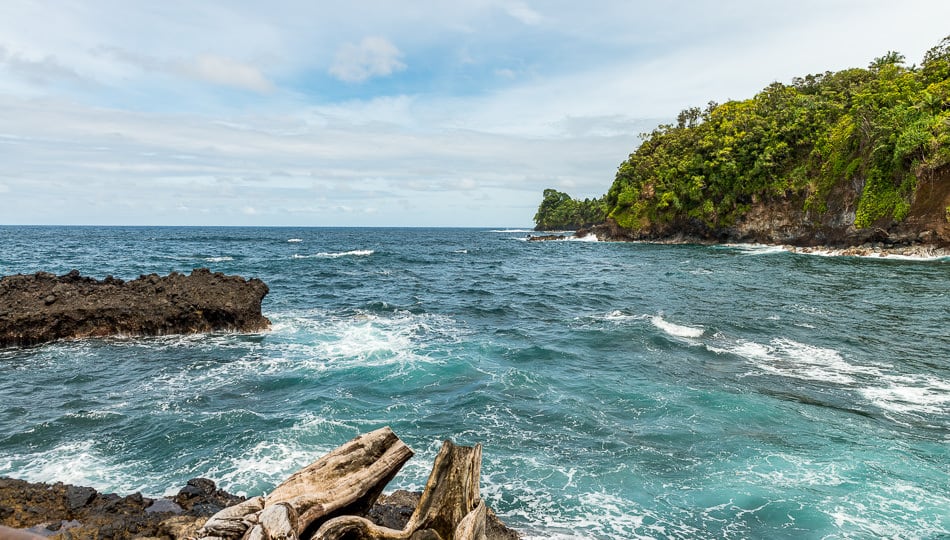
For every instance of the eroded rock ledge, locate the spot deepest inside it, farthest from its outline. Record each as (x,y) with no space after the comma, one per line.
(43,307)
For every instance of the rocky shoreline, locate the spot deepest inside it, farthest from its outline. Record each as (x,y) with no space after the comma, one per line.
(904,250)
(43,307)
(63,511)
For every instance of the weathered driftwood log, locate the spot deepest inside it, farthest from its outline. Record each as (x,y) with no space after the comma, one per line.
(347,480)
(450,507)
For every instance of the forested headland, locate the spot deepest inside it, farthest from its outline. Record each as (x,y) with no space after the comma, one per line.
(837,157)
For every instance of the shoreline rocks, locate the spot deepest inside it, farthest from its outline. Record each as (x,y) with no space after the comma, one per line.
(880,249)
(77,512)
(43,307)
(62,511)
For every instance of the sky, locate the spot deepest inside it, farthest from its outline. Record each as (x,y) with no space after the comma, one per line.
(381,113)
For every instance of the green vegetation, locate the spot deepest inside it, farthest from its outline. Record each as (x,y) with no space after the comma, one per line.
(559,211)
(878,130)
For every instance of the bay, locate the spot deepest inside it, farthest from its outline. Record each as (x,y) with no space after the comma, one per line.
(620,390)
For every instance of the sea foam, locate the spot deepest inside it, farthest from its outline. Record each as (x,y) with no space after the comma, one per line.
(336,254)
(676,329)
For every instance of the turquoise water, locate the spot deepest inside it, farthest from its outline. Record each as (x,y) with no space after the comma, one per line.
(620,390)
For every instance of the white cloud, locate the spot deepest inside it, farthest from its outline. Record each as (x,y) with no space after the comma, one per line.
(226,72)
(372,57)
(523,13)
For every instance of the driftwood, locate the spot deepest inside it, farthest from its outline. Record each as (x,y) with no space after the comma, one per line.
(450,507)
(347,480)
(327,499)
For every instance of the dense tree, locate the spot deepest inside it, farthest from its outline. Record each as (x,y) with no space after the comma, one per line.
(880,129)
(559,211)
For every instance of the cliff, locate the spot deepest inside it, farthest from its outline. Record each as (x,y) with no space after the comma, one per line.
(784,220)
(838,159)
(44,307)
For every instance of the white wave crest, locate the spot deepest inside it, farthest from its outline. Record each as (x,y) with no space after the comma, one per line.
(910,394)
(219,259)
(676,329)
(757,249)
(589,238)
(353,253)
(336,254)
(790,358)
(295,240)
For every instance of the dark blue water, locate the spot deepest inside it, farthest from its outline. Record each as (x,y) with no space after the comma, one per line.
(620,390)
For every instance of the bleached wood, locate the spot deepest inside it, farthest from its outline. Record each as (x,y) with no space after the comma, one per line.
(450,507)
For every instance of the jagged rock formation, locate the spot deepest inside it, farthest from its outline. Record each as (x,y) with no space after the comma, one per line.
(44,307)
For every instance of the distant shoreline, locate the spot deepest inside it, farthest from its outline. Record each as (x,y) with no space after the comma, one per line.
(916,252)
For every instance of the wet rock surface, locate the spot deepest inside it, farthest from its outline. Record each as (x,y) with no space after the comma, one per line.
(42,307)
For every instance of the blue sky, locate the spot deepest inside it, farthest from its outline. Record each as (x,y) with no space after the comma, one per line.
(380,113)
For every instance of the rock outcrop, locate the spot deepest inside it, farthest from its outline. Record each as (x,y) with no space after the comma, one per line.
(43,307)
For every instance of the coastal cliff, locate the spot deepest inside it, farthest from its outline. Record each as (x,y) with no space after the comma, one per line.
(43,307)
(785,220)
(837,159)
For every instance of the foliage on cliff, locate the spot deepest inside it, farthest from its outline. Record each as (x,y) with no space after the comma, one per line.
(559,211)
(879,130)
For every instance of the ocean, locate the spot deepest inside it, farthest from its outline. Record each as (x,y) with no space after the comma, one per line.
(620,390)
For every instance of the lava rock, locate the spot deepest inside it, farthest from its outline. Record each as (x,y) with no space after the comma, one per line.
(44,307)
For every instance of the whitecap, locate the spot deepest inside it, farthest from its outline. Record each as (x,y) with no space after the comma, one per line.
(789,358)
(757,249)
(910,394)
(352,253)
(294,240)
(219,259)
(336,254)
(587,238)
(676,329)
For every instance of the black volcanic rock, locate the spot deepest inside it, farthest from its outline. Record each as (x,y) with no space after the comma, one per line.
(44,307)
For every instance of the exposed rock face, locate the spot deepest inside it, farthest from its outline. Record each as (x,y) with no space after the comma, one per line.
(44,307)
(783,220)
